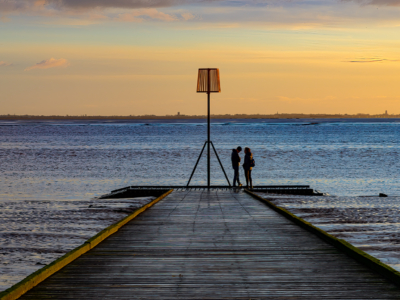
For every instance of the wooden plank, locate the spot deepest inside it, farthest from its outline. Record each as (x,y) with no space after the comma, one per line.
(359,255)
(213,245)
(35,278)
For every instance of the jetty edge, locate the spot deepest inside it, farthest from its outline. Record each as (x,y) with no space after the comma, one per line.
(344,246)
(20,288)
(141,191)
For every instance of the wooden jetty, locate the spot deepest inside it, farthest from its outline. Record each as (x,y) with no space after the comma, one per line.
(213,244)
(156,190)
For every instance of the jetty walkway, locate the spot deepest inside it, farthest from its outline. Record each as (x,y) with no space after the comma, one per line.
(213,245)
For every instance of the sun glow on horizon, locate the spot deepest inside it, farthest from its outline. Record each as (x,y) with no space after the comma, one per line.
(326,57)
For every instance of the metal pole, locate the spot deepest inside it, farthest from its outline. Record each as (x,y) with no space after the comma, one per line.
(208,142)
(208,130)
(194,169)
(222,167)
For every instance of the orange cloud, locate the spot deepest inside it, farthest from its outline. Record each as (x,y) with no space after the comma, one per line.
(371,60)
(187,16)
(139,14)
(49,63)
(5,64)
(40,2)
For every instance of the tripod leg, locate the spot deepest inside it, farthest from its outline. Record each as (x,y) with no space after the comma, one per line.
(222,167)
(194,169)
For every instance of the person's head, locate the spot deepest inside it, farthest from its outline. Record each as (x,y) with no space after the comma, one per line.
(247,150)
(239,149)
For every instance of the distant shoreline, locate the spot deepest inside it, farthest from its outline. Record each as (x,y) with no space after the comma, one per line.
(187,117)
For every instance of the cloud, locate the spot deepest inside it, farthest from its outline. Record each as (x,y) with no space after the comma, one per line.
(386,2)
(5,64)
(370,60)
(275,14)
(377,2)
(187,16)
(139,15)
(62,5)
(49,63)
(118,3)
(72,12)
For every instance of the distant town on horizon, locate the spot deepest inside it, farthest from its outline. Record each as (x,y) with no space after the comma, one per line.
(215,116)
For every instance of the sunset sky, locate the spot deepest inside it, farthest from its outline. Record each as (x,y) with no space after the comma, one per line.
(134,57)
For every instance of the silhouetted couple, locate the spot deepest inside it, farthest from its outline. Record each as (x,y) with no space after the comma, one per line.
(247,166)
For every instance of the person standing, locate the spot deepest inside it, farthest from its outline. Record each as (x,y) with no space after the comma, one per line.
(248,166)
(235,165)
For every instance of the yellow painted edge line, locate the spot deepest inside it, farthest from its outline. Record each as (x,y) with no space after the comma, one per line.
(359,255)
(20,288)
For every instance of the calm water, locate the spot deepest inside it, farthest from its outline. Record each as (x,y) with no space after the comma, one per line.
(82,159)
(50,171)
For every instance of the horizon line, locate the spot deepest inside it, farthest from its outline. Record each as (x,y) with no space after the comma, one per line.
(220,116)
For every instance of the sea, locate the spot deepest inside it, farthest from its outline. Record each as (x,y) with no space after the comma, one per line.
(59,167)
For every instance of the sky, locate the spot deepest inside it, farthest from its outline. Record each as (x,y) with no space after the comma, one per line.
(137,57)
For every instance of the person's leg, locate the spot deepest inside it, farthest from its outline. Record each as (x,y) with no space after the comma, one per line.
(251,180)
(246,172)
(236,176)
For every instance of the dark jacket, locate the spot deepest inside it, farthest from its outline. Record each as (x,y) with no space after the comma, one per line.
(247,159)
(235,158)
